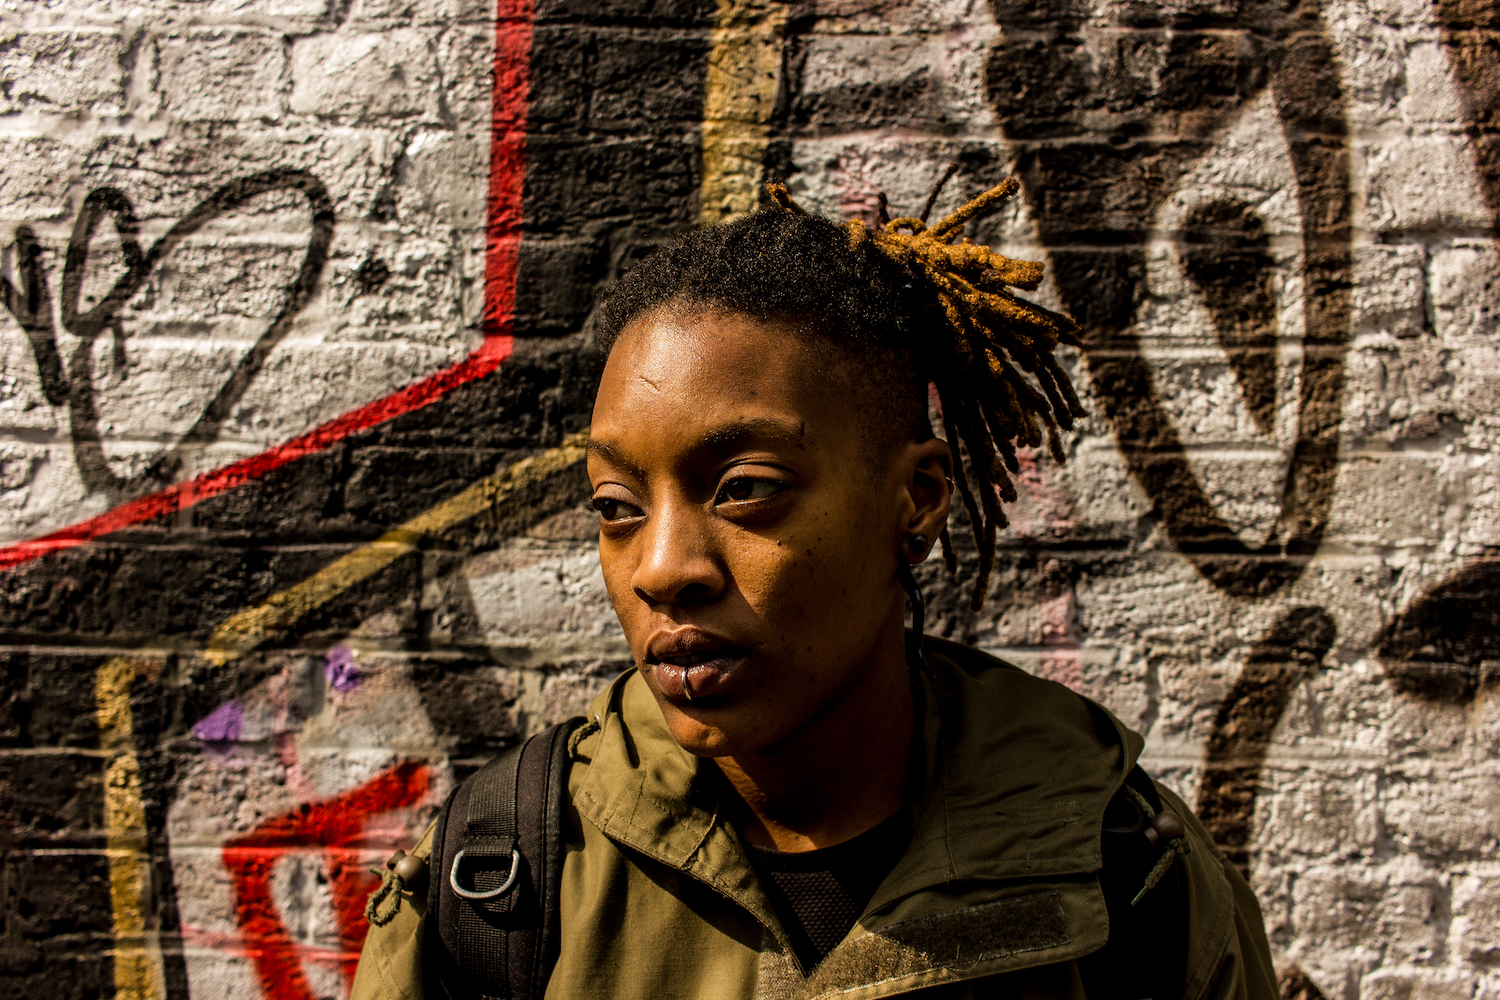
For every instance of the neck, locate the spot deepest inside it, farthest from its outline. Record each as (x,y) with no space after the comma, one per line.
(840,774)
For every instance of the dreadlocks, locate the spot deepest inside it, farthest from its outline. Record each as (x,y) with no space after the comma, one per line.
(921,304)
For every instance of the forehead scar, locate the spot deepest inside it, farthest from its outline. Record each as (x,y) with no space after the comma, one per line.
(649,382)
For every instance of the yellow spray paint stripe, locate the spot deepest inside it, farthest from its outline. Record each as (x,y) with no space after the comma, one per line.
(744,72)
(251,627)
(138,965)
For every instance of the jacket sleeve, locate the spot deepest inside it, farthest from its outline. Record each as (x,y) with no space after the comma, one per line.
(1229,957)
(390,965)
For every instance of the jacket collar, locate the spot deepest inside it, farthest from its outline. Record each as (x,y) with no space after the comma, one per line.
(1018,773)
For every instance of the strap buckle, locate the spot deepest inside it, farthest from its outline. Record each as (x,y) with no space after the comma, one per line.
(510,880)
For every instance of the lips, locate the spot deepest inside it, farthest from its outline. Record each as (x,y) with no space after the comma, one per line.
(691,664)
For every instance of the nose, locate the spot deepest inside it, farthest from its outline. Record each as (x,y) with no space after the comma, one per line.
(679,564)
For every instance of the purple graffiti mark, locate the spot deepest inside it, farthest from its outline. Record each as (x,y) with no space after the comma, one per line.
(222,726)
(341,669)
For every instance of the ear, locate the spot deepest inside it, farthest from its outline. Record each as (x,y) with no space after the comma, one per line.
(927,495)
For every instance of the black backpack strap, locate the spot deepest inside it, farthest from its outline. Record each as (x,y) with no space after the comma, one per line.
(496,868)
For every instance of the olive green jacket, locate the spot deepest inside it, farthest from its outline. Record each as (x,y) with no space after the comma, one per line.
(997,895)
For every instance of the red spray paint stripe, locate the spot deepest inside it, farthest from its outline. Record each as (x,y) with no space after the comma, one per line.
(509,111)
(508,115)
(184,495)
(336,825)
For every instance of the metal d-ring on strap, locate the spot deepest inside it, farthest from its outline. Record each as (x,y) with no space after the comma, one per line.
(510,880)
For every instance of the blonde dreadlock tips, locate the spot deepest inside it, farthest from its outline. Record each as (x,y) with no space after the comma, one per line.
(985,336)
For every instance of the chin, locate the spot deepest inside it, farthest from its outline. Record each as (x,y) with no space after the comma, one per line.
(713,732)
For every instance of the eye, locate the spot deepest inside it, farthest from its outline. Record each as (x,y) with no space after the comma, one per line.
(611,509)
(746,488)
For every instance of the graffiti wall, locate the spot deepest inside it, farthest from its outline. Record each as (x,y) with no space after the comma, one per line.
(295,359)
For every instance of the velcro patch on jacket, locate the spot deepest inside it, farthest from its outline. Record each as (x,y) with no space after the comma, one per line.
(954,941)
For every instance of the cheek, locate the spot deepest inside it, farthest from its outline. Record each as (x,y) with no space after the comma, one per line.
(618,566)
(817,575)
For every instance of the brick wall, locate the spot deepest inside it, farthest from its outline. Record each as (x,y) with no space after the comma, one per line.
(295,352)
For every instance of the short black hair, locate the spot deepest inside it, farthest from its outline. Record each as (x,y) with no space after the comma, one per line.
(796,271)
(912,305)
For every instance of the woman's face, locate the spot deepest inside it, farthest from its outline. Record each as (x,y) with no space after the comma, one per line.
(748,533)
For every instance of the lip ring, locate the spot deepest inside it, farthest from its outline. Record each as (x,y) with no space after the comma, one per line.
(687,689)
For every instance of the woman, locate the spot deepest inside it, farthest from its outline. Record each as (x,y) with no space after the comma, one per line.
(790,795)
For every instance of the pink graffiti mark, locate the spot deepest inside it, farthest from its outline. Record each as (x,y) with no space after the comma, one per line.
(1050,511)
(1062,657)
(339,828)
(859,197)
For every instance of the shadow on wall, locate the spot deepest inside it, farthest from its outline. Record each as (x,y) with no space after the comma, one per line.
(1102,142)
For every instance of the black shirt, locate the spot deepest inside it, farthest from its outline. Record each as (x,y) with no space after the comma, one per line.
(820,894)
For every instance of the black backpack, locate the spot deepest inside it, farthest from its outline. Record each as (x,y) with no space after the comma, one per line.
(496,865)
(492,888)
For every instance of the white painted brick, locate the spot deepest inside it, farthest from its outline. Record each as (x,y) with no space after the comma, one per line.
(34,183)
(1447,812)
(465,53)
(1348,18)
(1431,94)
(531,588)
(222,74)
(386,14)
(1245,489)
(1465,279)
(370,76)
(1390,290)
(222,973)
(1201,393)
(841,176)
(63,72)
(1396,390)
(167,178)
(1421,182)
(1417,984)
(305,383)
(420,292)
(1318,811)
(447,178)
(1387,500)
(1384,913)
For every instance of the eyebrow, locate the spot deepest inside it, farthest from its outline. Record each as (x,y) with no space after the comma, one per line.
(731,436)
(612,454)
(721,440)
